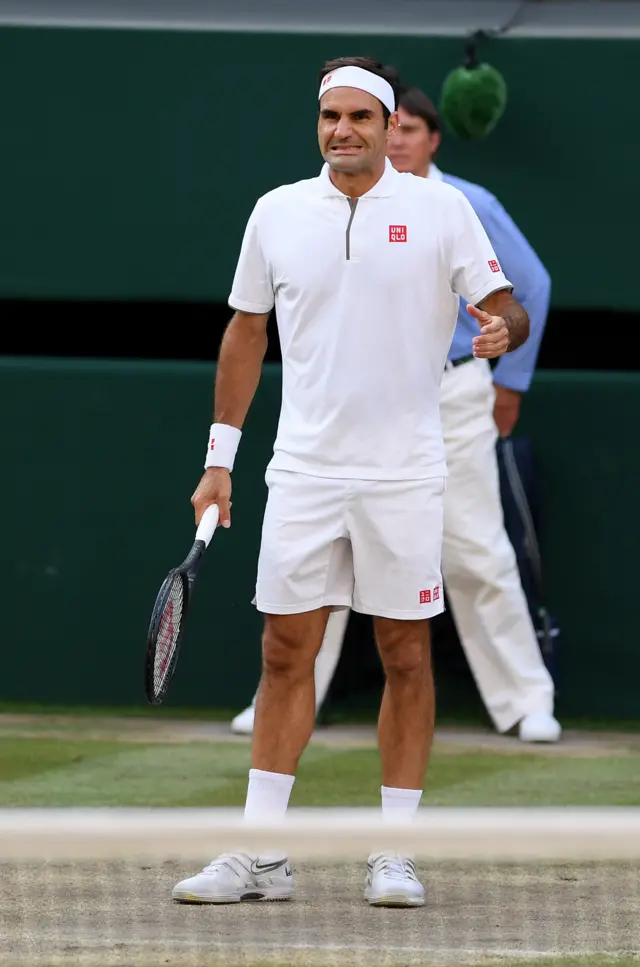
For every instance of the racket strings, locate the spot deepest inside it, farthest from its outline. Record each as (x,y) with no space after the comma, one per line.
(168,632)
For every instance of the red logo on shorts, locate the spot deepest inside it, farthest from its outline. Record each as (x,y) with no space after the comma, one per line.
(494,266)
(397,233)
(426,597)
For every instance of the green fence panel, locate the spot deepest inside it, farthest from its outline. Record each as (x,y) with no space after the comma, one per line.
(131,159)
(583,426)
(100,460)
(99,463)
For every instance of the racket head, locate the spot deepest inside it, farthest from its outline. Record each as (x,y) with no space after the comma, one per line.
(166,630)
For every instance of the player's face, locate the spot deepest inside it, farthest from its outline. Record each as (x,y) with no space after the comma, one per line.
(412,145)
(351,130)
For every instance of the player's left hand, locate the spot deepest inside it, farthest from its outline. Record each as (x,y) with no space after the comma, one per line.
(494,336)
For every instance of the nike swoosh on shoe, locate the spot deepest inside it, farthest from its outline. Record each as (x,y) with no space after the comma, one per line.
(257,868)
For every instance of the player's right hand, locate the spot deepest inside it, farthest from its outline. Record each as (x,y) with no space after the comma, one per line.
(214,488)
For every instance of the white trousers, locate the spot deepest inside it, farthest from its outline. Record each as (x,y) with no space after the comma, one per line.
(478,563)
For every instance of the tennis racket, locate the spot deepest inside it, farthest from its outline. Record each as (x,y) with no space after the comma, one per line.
(168,619)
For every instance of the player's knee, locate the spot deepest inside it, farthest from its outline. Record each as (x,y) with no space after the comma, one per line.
(283,654)
(403,660)
(404,648)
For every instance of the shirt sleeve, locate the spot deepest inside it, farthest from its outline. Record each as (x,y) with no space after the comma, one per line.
(475,269)
(252,289)
(531,287)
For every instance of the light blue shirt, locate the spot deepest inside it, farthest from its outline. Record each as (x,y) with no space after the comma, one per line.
(530,280)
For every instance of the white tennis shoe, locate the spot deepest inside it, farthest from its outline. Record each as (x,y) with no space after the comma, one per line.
(539,727)
(233,877)
(392,882)
(242,724)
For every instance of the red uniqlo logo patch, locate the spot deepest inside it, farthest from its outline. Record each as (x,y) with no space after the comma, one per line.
(397,233)
(494,266)
(426,597)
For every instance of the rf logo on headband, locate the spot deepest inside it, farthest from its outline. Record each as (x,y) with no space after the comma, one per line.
(327,79)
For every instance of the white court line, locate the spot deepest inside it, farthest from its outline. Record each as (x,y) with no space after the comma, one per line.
(187,944)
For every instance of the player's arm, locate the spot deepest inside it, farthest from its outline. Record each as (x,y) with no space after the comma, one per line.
(532,287)
(477,276)
(503,319)
(238,373)
(242,352)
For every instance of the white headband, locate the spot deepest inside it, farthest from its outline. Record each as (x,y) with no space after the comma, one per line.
(363,80)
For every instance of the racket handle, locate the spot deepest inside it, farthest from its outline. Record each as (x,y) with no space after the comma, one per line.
(208,524)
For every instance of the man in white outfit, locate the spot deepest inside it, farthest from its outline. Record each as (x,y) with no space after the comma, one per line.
(365,267)
(478,562)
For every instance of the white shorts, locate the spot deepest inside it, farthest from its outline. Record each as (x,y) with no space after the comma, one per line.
(374,546)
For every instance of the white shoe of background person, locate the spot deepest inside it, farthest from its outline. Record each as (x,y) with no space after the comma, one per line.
(539,727)
(242,724)
(233,877)
(392,882)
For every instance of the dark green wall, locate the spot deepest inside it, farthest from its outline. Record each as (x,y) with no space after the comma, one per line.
(98,464)
(130,159)
(584,429)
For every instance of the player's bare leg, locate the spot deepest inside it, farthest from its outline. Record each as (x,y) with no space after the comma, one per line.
(286,704)
(407,712)
(325,666)
(285,716)
(405,733)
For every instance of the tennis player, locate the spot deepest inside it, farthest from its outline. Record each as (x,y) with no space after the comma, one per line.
(365,267)
(479,566)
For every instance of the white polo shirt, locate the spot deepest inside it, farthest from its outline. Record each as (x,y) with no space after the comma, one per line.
(366,295)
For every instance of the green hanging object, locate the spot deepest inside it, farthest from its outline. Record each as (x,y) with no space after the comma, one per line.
(473,98)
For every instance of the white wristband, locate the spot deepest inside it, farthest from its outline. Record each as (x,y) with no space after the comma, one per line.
(223,445)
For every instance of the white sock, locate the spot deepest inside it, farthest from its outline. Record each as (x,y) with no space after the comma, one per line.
(267,796)
(399,805)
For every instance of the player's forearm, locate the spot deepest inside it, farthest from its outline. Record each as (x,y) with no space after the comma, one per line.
(517,320)
(239,367)
(502,303)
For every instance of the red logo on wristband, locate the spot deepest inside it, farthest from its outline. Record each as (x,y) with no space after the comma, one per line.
(212,445)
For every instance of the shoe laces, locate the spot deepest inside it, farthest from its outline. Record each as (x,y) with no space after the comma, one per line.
(397,867)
